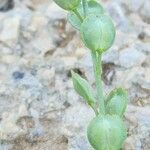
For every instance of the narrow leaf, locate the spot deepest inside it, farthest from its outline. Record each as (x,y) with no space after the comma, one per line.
(83,88)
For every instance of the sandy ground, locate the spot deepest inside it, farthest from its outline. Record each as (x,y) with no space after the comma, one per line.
(39,109)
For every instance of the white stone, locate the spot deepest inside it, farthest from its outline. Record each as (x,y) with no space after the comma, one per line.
(55,9)
(9,59)
(131,57)
(47,75)
(110,56)
(117,13)
(23,110)
(10,32)
(69,61)
(144,47)
(43,42)
(8,127)
(38,22)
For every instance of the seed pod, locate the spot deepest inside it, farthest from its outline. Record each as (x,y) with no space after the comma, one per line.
(68,4)
(93,8)
(106,132)
(116,102)
(98,32)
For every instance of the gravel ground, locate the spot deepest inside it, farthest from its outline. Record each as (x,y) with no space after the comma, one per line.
(39,109)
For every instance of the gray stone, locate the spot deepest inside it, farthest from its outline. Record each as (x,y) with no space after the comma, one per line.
(78,143)
(118,14)
(5,146)
(134,5)
(140,81)
(141,7)
(6,5)
(8,128)
(18,75)
(39,109)
(111,56)
(140,131)
(145,47)
(145,11)
(131,57)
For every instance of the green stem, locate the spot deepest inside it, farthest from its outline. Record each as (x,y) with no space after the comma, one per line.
(78,15)
(97,64)
(95,110)
(85,7)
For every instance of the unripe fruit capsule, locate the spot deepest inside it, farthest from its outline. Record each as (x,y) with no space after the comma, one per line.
(93,8)
(68,4)
(106,132)
(98,32)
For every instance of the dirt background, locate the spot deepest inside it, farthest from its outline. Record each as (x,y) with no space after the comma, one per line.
(39,109)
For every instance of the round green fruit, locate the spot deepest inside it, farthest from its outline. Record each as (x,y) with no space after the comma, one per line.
(106,132)
(68,4)
(98,32)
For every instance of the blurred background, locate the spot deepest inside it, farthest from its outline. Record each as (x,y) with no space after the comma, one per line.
(39,109)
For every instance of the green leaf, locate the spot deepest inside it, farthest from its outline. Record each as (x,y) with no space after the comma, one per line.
(67,4)
(83,88)
(93,8)
(106,132)
(116,102)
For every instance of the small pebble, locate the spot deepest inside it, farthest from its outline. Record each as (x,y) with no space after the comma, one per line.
(17,75)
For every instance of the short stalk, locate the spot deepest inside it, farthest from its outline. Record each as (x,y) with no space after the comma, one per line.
(85,7)
(95,110)
(97,64)
(78,15)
